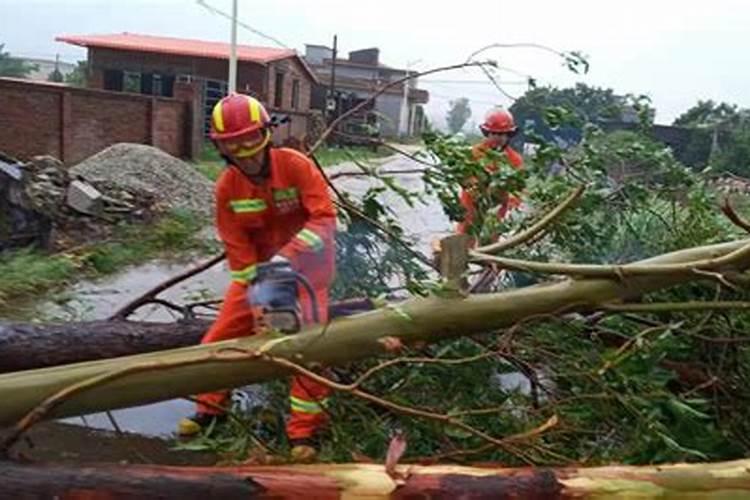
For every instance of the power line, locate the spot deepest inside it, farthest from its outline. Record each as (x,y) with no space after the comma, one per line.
(221,13)
(477,82)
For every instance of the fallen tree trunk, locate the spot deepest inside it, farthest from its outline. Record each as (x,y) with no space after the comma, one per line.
(27,346)
(338,481)
(135,380)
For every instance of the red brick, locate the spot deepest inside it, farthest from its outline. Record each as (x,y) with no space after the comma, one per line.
(72,123)
(30,121)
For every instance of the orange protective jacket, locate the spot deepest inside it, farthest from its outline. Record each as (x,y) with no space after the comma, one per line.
(290,214)
(466,199)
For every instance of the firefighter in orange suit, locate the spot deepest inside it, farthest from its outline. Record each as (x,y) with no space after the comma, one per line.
(498,128)
(272,204)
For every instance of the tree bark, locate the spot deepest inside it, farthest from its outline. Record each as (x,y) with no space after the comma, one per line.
(147,378)
(339,481)
(27,346)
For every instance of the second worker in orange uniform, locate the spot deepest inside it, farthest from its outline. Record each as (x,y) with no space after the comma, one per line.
(498,128)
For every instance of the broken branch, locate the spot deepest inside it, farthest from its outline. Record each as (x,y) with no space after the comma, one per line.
(417,412)
(738,258)
(535,229)
(733,216)
(380,91)
(664,307)
(148,296)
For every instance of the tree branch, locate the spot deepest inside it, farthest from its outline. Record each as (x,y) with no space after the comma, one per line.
(417,412)
(514,46)
(232,415)
(47,405)
(375,175)
(622,352)
(733,216)
(669,307)
(379,92)
(148,296)
(393,148)
(421,361)
(344,204)
(535,229)
(738,258)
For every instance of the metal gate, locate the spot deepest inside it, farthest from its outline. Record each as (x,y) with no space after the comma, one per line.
(213,91)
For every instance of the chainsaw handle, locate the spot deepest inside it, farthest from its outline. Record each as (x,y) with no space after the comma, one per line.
(309,289)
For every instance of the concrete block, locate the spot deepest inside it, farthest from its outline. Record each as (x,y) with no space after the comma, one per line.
(85,198)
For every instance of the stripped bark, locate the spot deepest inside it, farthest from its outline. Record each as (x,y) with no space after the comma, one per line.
(339,481)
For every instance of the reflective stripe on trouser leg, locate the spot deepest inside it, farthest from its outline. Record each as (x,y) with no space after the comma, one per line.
(307,397)
(308,414)
(235,320)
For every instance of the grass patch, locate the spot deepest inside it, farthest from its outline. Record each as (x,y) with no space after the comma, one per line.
(210,163)
(25,274)
(210,170)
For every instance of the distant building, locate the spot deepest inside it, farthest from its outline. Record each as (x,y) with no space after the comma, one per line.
(399,110)
(196,71)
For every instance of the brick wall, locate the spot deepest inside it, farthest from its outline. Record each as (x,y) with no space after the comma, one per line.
(29,121)
(292,70)
(72,123)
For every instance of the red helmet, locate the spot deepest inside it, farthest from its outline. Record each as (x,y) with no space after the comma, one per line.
(236,115)
(498,121)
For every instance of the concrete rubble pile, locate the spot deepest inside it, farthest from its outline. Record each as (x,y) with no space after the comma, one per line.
(45,203)
(136,168)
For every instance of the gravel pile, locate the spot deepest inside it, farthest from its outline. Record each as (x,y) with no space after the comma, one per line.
(137,168)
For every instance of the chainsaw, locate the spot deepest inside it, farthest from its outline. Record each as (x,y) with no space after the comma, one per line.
(273,296)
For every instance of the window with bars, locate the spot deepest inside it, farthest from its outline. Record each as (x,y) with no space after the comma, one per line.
(295,94)
(278,97)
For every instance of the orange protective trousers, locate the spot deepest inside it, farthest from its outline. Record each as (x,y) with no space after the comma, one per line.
(307,397)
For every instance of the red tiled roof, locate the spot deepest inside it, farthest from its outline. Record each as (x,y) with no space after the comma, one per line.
(177,46)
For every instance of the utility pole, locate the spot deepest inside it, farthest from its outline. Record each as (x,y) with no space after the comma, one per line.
(404,115)
(403,121)
(332,108)
(232,84)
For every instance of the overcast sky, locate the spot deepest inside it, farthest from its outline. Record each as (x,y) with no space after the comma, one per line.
(673,50)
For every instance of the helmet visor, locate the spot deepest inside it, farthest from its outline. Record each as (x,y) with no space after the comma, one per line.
(244,146)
